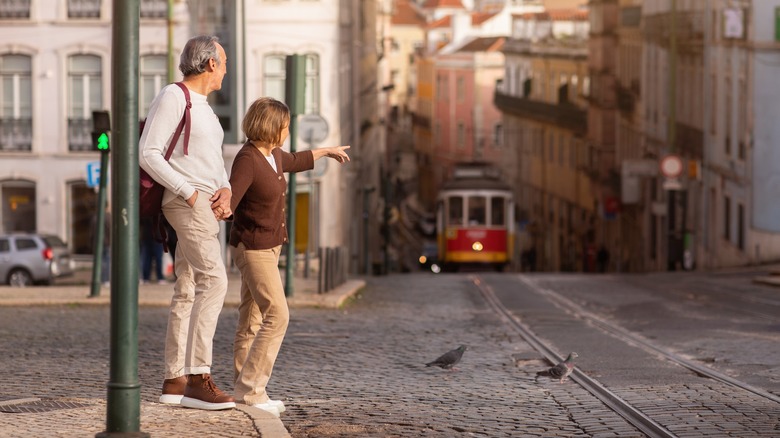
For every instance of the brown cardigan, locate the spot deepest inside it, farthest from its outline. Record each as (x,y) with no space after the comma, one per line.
(259,195)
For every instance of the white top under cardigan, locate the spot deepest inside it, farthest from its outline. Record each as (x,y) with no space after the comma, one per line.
(203,169)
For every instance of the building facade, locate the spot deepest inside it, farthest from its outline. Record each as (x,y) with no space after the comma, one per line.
(543,98)
(55,68)
(52,85)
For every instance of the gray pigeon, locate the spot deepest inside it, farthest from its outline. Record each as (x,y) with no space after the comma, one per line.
(448,360)
(562,370)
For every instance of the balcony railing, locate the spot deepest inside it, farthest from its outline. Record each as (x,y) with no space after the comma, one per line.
(14,9)
(15,135)
(565,115)
(154,9)
(79,135)
(84,8)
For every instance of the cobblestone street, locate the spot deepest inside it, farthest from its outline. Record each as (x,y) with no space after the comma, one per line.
(360,372)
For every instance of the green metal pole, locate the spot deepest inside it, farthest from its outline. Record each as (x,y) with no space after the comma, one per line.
(97,261)
(171,57)
(294,90)
(124,389)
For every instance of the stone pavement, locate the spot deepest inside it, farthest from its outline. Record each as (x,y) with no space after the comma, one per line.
(85,416)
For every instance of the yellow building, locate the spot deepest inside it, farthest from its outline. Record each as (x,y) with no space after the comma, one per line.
(543,99)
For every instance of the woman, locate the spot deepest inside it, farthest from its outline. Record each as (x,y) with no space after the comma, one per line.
(259,197)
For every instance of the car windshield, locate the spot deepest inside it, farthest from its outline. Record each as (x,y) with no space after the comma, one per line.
(54,241)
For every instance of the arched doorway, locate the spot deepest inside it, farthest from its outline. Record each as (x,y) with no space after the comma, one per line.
(19,212)
(82,214)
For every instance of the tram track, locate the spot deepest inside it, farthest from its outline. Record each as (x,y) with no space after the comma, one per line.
(634,416)
(643,343)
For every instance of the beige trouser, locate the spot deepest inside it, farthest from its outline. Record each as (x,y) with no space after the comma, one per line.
(199,293)
(262,321)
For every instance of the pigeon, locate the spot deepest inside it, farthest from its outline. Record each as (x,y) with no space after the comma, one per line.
(448,360)
(562,370)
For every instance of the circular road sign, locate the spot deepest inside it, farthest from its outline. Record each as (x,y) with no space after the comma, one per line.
(313,129)
(671,166)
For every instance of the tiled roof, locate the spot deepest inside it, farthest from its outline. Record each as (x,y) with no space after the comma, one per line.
(556,15)
(434,4)
(481,17)
(406,14)
(484,44)
(441,23)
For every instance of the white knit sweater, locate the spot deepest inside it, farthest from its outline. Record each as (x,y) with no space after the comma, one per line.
(203,169)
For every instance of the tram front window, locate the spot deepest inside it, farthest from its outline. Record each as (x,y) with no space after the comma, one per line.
(477,210)
(497,217)
(455,211)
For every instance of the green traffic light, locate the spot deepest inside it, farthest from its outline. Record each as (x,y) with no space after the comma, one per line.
(102,142)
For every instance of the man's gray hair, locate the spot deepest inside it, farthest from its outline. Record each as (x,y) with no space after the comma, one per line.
(196,54)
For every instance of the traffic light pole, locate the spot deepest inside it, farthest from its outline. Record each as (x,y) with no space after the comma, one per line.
(97,262)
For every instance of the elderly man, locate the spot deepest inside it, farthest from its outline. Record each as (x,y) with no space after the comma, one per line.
(197,196)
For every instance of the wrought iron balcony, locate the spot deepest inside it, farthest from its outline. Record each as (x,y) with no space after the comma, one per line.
(79,135)
(14,9)
(565,115)
(15,135)
(83,8)
(154,9)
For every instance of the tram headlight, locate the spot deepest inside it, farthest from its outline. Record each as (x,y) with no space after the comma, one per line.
(477,246)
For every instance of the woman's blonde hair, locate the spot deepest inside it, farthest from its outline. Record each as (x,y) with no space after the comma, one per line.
(265,119)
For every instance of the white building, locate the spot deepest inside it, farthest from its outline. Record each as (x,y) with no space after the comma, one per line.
(55,69)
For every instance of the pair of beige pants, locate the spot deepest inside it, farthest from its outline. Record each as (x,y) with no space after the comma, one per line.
(262,321)
(201,285)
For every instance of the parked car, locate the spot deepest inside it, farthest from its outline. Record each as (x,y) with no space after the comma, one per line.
(27,259)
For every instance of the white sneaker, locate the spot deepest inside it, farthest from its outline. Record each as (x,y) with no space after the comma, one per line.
(279,405)
(268,407)
(171,399)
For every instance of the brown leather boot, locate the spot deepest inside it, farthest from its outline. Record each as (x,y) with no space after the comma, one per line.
(202,393)
(173,390)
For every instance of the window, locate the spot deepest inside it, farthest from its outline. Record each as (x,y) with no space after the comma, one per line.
(312,84)
(741,226)
(274,78)
(550,147)
(726,218)
(461,135)
(477,210)
(154,9)
(728,118)
(4,245)
(561,141)
(498,135)
(15,103)
(497,215)
(84,8)
(23,243)
(461,88)
(455,211)
(11,9)
(154,74)
(85,94)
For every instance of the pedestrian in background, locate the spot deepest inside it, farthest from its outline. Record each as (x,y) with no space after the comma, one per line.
(197,196)
(257,234)
(105,251)
(151,252)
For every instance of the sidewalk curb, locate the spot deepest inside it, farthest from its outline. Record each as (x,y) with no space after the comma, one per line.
(160,295)
(267,424)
